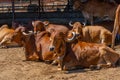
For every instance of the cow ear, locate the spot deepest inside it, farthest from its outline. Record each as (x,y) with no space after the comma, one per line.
(20,29)
(46,23)
(33,23)
(4,26)
(83,24)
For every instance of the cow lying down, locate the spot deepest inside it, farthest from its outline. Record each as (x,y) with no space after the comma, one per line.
(5,35)
(81,54)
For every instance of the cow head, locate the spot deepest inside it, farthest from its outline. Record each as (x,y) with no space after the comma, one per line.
(20,34)
(76,31)
(28,41)
(38,26)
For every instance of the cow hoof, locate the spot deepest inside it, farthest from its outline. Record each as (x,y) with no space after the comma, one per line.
(98,67)
(59,69)
(54,63)
(5,47)
(94,67)
(48,62)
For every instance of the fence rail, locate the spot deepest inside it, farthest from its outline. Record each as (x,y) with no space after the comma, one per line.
(52,12)
(55,17)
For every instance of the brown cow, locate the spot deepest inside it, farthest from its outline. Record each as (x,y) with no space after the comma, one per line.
(95,8)
(5,34)
(41,26)
(94,34)
(107,24)
(116,26)
(36,45)
(81,54)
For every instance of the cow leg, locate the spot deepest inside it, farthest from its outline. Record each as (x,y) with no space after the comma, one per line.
(54,62)
(91,20)
(103,41)
(60,62)
(5,39)
(104,61)
(106,58)
(86,16)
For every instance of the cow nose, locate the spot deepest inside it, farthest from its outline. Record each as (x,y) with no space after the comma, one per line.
(52,48)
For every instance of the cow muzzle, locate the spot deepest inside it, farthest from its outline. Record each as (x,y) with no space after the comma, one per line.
(52,48)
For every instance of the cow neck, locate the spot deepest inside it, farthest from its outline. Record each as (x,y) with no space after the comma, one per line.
(69,51)
(30,47)
(38,38)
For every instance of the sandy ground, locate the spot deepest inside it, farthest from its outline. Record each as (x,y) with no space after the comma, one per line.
(14,67)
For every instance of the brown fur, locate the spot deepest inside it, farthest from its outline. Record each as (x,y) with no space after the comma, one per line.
(36,45)
(5,34)
(41,26)
(116,26)
(107,24)
(95,8)
(94,34)
(83,54)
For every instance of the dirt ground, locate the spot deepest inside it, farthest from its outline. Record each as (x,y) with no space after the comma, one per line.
(14,67)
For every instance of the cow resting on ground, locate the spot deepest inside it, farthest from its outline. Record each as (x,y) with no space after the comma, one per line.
(36,45)
(5,34)
(81,54)
(94,34)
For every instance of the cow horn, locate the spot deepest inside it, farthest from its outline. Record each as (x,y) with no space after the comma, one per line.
(30,32)
(70,24)
(33,23)
(72,37)
(24,33)
(46,23)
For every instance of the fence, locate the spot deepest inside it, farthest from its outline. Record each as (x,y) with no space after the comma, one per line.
(53,12)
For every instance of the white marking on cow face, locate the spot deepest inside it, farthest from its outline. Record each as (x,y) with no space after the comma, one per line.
(51,47)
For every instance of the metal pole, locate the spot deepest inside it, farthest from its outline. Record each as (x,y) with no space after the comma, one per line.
(13,11)
(39,7)
(42,3)
(30,2)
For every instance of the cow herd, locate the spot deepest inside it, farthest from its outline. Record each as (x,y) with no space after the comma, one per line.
(68,46)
